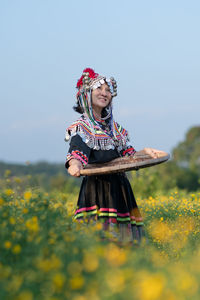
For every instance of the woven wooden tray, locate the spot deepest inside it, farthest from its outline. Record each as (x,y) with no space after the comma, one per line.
(124,164)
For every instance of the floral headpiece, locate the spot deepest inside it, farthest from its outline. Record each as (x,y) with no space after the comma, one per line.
(90,81)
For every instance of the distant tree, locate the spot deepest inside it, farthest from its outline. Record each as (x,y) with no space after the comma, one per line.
(50,169)
(187,153)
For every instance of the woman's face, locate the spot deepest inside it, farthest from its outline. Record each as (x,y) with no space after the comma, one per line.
(101,97)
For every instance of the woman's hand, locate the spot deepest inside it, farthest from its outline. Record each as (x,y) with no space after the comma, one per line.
(154,153)
(74,167)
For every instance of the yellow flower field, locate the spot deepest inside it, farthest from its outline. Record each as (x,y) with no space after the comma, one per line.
(47,255)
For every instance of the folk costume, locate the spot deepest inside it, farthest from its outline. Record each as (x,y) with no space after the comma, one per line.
(107,198)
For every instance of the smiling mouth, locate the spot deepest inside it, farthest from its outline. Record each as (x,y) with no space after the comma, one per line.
(103,99)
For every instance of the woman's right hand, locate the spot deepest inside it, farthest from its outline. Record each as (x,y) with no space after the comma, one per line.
(74,167)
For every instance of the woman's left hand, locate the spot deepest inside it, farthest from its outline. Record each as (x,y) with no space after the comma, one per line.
(154,153)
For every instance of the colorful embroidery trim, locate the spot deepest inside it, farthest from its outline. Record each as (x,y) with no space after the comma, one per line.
(78,155)
(129,151)
(98,139)
(109,213)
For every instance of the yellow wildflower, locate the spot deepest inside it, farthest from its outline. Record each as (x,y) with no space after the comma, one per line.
(25,295)
(70,207)
(32,224)
(51,241)
(98,226)
(161,231)
(58,281)
(16,249)
(25,210)
(76,282)
(9,192)
(7,244)
(90,262)
(150,286)
(12,220)
(115,256)
(27,195)
(52,263)
(17,180)
(34,219)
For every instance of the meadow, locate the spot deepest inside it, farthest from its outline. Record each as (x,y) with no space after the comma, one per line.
(45,254)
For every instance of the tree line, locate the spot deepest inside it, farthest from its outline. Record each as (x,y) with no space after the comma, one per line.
(182,171)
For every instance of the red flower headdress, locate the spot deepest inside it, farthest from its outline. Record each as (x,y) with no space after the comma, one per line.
(91,74)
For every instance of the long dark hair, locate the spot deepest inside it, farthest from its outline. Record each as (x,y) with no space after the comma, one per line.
(78,108)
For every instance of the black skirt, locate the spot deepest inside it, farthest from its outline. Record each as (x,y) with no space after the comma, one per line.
(106,198)
(110,200)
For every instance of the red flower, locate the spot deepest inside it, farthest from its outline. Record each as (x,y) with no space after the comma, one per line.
(92,74)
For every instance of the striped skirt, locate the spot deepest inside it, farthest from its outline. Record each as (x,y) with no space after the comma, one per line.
(109,199)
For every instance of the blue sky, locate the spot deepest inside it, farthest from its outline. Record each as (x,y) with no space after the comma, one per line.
(152,48)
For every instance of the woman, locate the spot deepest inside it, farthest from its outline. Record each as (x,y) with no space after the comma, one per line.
(96,138)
